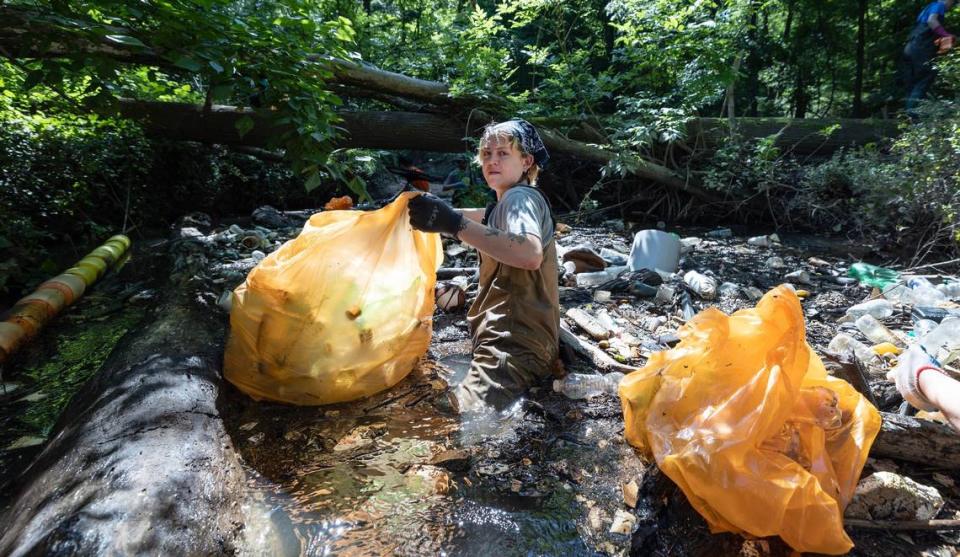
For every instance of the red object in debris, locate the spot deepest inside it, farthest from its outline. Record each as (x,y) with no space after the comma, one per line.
(339,203)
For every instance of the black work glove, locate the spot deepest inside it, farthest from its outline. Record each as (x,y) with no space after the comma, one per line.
(429,213)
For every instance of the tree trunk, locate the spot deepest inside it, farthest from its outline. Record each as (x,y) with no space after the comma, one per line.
(140,461)
(861,47)
(753,63)
(921,441)
(799,137)
(372,129)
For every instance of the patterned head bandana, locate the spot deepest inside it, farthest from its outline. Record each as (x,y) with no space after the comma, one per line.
(525,133)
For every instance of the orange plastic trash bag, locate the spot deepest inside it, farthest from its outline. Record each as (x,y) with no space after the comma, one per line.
(342,311)
(742,415)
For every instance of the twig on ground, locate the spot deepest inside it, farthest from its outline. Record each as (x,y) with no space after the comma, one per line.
(944,524)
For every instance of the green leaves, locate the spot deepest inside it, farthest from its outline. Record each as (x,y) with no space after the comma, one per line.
(244,125)
(188,63)
(125,40)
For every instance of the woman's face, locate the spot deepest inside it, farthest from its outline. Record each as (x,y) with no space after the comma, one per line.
(503,164)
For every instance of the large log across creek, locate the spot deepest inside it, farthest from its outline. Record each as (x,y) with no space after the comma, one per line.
(139,462)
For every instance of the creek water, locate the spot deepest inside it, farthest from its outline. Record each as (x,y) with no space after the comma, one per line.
(364,478)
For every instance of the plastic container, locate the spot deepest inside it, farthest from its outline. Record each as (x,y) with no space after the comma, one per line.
(86,273)
(587,280)
(844,344)
(51,298)
(760,241)
(703,285)
(950,290)
(614,257)
(943,342)
(720,233)
(98,265)
(579,385)
(110,253)
(923,327)
(71,285)
(879,308)
(120,238)
(655,249)
(924,293)
(875,331)
(30,316)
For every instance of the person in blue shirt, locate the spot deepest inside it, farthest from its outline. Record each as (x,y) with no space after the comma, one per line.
(921,49)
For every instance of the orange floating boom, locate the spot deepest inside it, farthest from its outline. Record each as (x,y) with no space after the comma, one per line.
(32,312)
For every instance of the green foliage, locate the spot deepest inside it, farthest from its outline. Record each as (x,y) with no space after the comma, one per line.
(208,50)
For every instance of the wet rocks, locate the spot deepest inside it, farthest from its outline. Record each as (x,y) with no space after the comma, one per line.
(432,479)
(457,460)
(270,217)
(890,496)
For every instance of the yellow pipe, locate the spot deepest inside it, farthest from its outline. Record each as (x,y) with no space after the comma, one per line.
(31,312)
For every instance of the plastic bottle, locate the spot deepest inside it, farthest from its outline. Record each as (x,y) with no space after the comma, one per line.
(613,257)
(579,385)
(845,344)
(943,343)
(924,293)
(585,280)
(923,327)
(879,308)
(950,290)
(705,286)
(874,330)
(760,241)
(720,233)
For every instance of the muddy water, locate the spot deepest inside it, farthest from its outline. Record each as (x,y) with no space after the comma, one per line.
(398,474)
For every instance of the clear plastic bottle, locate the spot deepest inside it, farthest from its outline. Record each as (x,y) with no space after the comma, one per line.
(705,286)
(943,343)
(879,308)
(579,385)
(923,327)
(875,331)
(585,280)
(950,290)
(924,293)
(845,344)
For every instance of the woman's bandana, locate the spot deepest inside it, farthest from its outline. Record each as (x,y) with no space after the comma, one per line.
(529,139)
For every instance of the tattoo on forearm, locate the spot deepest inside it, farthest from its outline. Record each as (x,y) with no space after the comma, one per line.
(492,232)
(516,238)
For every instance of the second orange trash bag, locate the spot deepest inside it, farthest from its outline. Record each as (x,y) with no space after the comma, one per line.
(742,415)
(341,312)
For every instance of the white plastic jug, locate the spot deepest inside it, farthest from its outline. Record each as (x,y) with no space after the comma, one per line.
(655,249)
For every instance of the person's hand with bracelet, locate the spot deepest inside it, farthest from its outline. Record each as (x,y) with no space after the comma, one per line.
(925,385)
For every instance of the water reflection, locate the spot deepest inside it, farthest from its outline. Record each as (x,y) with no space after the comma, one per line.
(368,478)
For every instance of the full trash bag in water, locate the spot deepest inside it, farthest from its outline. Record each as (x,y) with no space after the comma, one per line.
(742,415)
(341,312)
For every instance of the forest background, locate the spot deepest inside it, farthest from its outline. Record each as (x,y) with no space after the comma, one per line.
(624,76)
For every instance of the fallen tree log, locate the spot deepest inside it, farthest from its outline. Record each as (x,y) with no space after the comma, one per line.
(799,137)
(140,462)
(369,129)
(919,441)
